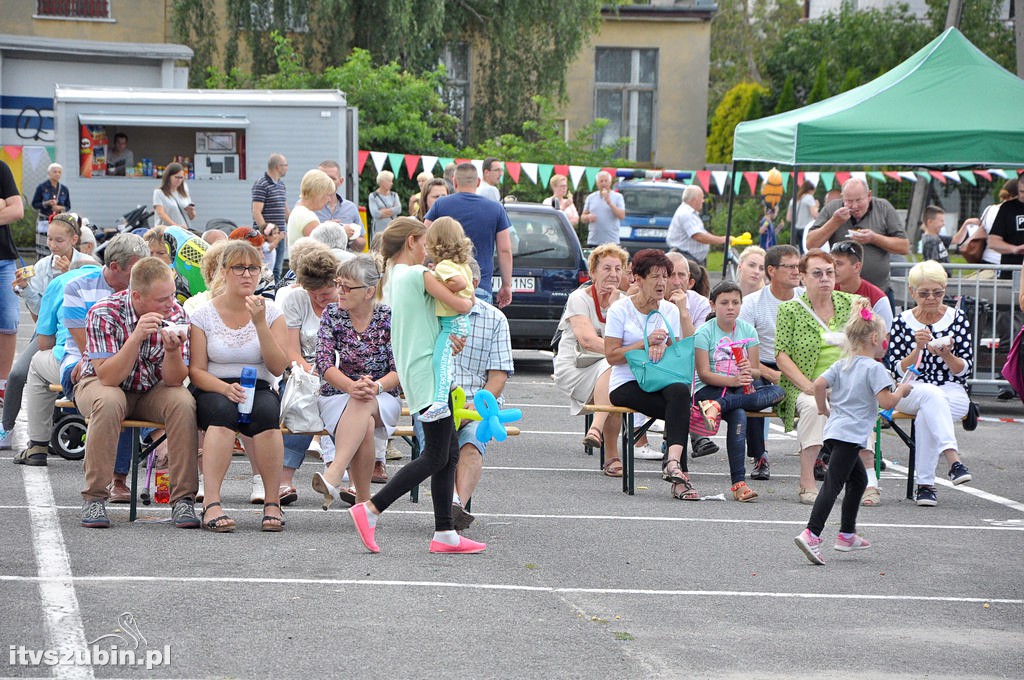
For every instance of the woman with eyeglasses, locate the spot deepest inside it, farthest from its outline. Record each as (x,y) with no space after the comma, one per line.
(233,330)
(359,383)
(936,339)
(171,201)
(809,339)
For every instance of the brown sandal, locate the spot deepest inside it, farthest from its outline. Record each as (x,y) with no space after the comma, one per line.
(592,440)
(742,492)
(613,468)
(684,490)
(674,474)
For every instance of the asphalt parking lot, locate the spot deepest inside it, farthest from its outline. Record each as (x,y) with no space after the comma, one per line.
(579,580)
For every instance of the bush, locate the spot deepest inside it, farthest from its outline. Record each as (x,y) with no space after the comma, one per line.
(24,230)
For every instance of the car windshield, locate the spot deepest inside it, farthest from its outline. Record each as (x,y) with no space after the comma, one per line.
(538,240)
(651,201)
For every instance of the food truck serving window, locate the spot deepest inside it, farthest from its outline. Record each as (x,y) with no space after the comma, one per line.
(130,145)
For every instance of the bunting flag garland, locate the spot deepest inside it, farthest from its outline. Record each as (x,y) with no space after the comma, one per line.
(704,179)
(34,155)
(720,177)
(937,175)
(11,156)
(737,182)
(841,177)
(814,178)
(968,177)
(479,165)
(861,175)
(827,178)
(363,155)
(909,176)
(575,175)
(379,159)
(428,164)
(785,181)
(877,175)
(52,151)
(531,171)
(396,160)
(512,168)
(411,163)
(987,176)
(444,163)
(544,171)
(953,175)
(751,178)
(997,171)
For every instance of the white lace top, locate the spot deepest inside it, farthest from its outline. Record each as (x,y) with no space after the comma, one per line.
(229,349)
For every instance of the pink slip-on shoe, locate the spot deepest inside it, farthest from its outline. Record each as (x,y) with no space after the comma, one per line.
(358,514)
(465,547)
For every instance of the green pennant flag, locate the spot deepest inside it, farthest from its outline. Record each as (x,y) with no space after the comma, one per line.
(785,183)
(737,183)
(445,162)
(544,173)
(692,178)
(878,175)
(397,161)
(968,176)
(51,151)
(590,174)
(827,180)
(923,175)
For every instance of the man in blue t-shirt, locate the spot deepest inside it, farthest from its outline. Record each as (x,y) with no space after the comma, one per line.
(486,224)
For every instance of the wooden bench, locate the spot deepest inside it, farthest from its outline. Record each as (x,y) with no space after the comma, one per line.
(630,434)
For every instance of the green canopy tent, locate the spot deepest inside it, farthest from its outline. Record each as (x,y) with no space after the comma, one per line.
(948,105)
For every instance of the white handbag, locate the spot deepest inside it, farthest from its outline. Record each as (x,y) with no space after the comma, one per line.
(299,409)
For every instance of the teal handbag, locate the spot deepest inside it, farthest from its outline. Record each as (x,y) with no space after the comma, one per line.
(676,366)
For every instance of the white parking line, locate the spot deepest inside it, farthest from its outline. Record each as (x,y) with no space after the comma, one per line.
(985,495)
(64,628)
(537,589)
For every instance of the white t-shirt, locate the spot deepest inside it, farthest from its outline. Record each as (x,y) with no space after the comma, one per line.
(625,321)
(489,191)
(228,350)
(760,309)
(299,313)
(174,205)
(297,220)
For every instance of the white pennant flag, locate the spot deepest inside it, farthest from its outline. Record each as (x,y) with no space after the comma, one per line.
(998,172)
(720,177)
(428,163)
(813,177)
(479,165)
(575,175)
(953,175)
(531,171)
(764,175)
(35,155)
(909,176)
(379,158)
(859,174)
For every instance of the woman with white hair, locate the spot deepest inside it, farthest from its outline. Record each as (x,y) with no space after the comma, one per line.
(936,339)
(51,198)
(335,237)
(384,204)
(316,189)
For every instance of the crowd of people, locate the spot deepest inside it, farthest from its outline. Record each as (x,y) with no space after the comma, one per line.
(812,336)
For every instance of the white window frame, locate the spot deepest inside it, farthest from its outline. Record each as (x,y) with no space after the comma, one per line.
(633,88)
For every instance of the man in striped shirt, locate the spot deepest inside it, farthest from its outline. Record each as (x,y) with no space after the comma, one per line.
(270,204)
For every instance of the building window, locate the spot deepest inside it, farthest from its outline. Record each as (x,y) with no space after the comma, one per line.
(455,58)
(267,15)
(74,9)
(625,83)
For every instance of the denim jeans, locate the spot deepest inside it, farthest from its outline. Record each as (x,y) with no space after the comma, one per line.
(734,405)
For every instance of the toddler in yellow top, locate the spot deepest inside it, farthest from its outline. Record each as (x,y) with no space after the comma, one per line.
(450,250)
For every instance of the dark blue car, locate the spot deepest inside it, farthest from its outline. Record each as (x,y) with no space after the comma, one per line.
(547,265)
(650,205)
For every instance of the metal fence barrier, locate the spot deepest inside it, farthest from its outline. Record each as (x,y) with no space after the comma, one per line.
(991,305)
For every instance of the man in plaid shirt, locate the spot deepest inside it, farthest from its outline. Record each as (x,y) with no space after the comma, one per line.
(134,367)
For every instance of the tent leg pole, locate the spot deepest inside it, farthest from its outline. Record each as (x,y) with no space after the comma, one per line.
(793,209)
(728,223)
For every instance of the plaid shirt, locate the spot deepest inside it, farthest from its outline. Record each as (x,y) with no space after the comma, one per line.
(108,325)
(488,348)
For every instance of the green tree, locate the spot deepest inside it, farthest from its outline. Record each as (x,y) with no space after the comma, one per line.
(787,100)
(194,23)
(820,89)
(742,102)
(852,79)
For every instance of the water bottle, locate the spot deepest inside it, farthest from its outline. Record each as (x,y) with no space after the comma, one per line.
(248,383)
(163,487)
(910,376)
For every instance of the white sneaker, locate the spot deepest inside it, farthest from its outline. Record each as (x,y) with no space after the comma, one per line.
(314,448)
(6,440)
(645,452)
(657,426)
(257,496)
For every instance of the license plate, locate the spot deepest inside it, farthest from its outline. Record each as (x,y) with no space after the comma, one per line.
(520,284)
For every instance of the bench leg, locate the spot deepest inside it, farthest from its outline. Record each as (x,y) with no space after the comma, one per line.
(414,453)
(133,503)
(588,420)
(628,438)
(878,448)
(911,462)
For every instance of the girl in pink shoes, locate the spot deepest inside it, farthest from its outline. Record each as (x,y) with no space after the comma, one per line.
(411,290)
(859,385)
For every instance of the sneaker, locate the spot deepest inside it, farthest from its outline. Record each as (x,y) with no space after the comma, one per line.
(258,495)
(6,439)
(645,452)
(959,474)
(820,467)
(465,547)
(33,455)
(762,470)
(926,496)
(94,515)
(392,453)
(857,542)
(437,411)
(657,426)
(462,518)
(183,512)
(810,545)
(703,446)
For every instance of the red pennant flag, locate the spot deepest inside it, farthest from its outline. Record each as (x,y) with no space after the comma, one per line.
(611,171)
(892,174)
(841,177)
(411,163)
(800,178)
(751,178)
(937,175)
(984,174)
(562,170)
(460,161)
(512,168)
(363,155)
(704,177)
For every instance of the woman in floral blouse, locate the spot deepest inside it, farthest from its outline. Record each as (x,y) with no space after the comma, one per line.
(359,388)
